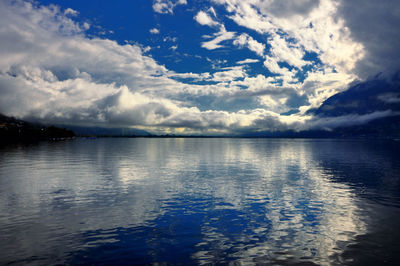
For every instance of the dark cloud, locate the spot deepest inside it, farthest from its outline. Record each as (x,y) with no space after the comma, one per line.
(329,123)
(376,25)
(295,100)
(270,123)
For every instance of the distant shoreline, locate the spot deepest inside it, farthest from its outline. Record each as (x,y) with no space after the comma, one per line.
(234,137)
(16,130)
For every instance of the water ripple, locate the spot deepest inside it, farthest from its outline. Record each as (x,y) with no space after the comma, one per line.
(200,201)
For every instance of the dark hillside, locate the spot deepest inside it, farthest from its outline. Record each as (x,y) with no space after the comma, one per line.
(12,129)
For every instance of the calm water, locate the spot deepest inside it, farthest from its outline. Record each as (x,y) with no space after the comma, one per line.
(199,201)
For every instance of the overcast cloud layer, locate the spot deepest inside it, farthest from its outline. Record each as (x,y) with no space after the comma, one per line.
(52,71)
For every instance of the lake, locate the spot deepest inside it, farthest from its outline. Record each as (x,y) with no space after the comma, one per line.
(200,201)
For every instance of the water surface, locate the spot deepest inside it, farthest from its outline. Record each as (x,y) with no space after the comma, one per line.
(199,201)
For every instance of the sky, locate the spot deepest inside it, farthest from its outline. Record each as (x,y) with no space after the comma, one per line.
(205,67)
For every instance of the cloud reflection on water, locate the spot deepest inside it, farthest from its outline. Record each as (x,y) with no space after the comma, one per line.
(210,200)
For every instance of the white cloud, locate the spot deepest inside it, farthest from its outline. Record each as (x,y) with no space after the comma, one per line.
(320,85)
(217,63)
(219,37)
(48,70)
(311,26)
(154,31)
(190,75)
(170,39)
(204,19)
(86,26)
(284,51)
(229,74)
(212,11)
(167,6)
(272,65)
(294,29)
(245,14)
(247,61)
(244,40)
(146,49)
(60,78)
(70,11)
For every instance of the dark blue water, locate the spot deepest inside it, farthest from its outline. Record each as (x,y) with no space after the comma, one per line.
(200,201)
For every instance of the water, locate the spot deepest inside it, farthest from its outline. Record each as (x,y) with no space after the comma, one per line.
(200,201)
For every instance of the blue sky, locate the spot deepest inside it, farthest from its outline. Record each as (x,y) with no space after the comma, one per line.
(189,67)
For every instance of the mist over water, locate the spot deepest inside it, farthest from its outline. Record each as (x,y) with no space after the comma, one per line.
(198,201)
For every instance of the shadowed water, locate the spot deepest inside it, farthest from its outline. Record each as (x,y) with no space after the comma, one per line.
(199,201)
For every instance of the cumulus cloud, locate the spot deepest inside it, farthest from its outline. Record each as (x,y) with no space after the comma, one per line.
(204,19)
(58,76)
(244,40)
(295,30)
(354,37)
(285,51)
(48,71)
(307,26)
(167,6)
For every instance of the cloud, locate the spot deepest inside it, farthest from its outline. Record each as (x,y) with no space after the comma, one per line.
(219,37)
(329,123)
(272,65)
(229,74)
(244,40)
(170,39)
(288,8)
(154,31)
(58,76)
(52,72)
(86,26)
(285,51)
(247,61)
(59,73)
(190,75)
(247,15)
(70,11)
(204,19)
(296,28)
(167,6)
(295,31)
(389,97)
(375,25)
(222,35)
